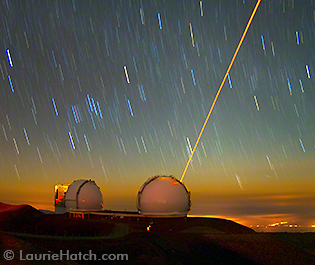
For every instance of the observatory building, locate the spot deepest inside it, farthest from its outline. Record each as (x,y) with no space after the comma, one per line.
(163,196)
(60,193)
(80,195)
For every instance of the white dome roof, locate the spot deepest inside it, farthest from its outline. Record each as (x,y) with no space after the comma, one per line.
(84,195)
(164,196)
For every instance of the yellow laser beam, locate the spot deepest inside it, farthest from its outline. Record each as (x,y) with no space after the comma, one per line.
(221,86)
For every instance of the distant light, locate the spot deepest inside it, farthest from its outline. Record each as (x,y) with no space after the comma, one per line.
(126,73)
(302,145)
(193,76)
(263,42)
(289,85)
(257,106)
(301,85)
(297,37)
(308,71)
(99,109)
(26,137)
(9,58)
(94,107)
(53,55)
(192,35)
(73,5)
(201,10)
(39,155)
(230,82)
(130,108)
(87,144)
(142,16)
(11,85)
(160,22)
(89,100)
(71,140)
(55,107)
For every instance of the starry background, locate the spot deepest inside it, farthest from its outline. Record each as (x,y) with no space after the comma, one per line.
(117,91)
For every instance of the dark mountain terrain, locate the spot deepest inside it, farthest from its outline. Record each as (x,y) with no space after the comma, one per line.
(184,240)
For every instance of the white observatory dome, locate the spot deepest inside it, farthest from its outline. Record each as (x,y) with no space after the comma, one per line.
(163,196)
(84,195)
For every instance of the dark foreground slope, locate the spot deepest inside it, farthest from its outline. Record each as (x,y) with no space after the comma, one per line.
(168,241)
(8,242)
(305,241)
(172,248)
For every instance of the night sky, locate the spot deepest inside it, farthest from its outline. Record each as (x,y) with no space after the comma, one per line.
(117,92)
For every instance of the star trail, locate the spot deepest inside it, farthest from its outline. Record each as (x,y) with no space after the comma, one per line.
(117,91)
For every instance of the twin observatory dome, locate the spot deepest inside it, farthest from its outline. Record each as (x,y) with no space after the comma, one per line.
(83,195)
(161,195)
(158,196)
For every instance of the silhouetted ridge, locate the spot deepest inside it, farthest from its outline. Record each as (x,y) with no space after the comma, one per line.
(222,225)
(14,216)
